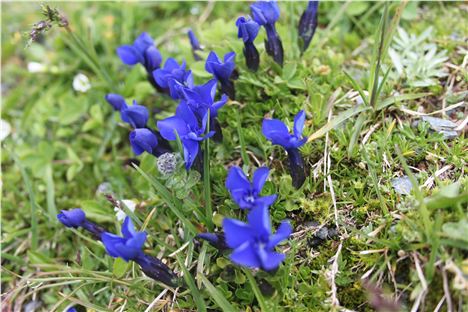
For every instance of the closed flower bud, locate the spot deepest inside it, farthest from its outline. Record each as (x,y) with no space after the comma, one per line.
(143,140)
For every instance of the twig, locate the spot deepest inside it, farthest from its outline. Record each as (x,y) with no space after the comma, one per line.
(156,300)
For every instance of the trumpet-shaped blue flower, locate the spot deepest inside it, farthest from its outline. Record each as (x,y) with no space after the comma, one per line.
(116,101)
(266,13)
(73,218)
(142,51)
(200,99)
(308,24)
(277,132)
(248,31)
(189,130)
(143,140)
(128,247)
(253,243)
(135,115)
(222,71)
(246,194)
(195,45)
(173,77)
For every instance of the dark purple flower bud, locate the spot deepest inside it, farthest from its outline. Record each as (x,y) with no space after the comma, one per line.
(193,40)
(135,115)
(153,59)
(73,218)
(308,24)
(143,140)
(157,270)
(273,44)
(214,239)
(116,100)
(296,167)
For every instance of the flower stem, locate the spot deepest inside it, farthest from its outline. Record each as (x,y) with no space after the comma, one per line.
(206,178)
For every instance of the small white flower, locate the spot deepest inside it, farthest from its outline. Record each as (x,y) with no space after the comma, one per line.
(35,67)
(81,83)
(5,129)
(120,214)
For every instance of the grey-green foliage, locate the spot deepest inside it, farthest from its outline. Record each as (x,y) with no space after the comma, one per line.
(417,60)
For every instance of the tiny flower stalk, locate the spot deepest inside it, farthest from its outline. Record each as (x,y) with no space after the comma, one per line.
(248,31)
(308,25)
(266,13)
(278,133)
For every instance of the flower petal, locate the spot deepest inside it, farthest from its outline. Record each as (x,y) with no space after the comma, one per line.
(259,221)
(169,126)
(245,255)
(190,152)
(299,123)
(129,55)
(276,132)
(236,232)
(283,232)
(259,178)
(236,179)
(128,229)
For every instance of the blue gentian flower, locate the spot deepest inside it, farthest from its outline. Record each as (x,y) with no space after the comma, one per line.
(128,247)
(200,99)
(195,45)
(245,193)
(248,31)
(142,140)
(142,51)
(214,239)
(173,77)
(253,243)
(222,71)
(135,115)
(116,100)
(308,24)
(75,218)
(277,132)
(188,128)
(266,13)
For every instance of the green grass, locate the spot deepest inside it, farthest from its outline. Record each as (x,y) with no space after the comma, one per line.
(64,144)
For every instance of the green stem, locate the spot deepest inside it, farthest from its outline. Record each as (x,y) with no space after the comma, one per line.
(206,178)
(375,82)
(256,290)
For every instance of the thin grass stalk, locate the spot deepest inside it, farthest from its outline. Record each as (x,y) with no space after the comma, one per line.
(206,178)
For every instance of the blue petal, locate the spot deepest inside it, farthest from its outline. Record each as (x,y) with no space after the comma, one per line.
(237,232)
(190,152)
(142,140)
(116,100)
(160,75)
(245,255)
(238,195)
(265,12)
(265,200)
(143,42)
(129,55)
(221,71)
(230,57)
(128,229)
(153,58)
(193,40)
(183,111)
(283,232)
(136,115)
(72,218)
(217,105)
(259,178)
(299,123)
(110,240)
(276,132)
(137,241)
(171,64)
(270,260)
(211,59)
(236,179)
(259,221)
(169,126)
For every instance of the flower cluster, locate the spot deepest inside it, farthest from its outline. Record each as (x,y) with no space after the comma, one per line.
(252,243)
(129,246)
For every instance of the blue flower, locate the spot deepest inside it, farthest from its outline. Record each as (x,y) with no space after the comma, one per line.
(221,71)
(135,115)
(193,40)
(308,24)
(277,132)
(116,100)
(173,77)
(246,194)
(142,51)
(265,12)
(253,243)
(200,99)
(247,29)
(128,247)
(143,140)
(73,218)
(189,130)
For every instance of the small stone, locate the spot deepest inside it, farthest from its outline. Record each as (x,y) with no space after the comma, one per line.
(402,185)
(332,232)
(442,126)
(322,233)
(32,306)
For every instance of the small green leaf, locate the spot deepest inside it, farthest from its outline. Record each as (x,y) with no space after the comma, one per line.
(120,267)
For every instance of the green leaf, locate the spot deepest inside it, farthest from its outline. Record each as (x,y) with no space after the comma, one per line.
(357,8)
(448,196)
(217,296)
(120,267)
(405,97)
(197,297)
(289,70)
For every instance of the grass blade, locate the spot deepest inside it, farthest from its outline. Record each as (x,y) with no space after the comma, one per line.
(197,297)
(357,87)
(357,130)
(206,178)
(244,155)
(256,290)
(405,97)
(217,296)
